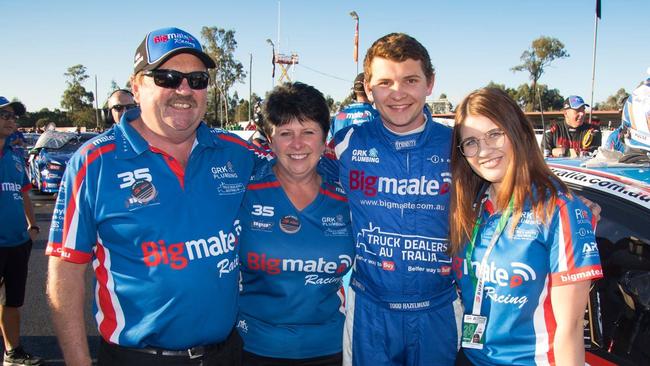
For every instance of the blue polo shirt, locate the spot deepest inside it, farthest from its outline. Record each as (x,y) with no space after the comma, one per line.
(13,182)
(527,263)
(163,239)
(293,263)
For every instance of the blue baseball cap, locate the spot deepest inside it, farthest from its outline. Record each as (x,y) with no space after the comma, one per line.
(574,102)
(160,45)
(18,107)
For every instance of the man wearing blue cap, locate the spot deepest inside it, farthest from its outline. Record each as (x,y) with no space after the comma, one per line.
(152,203)
(17,230)
(572,137)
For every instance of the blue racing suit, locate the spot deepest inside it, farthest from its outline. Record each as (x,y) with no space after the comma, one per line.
(403,307)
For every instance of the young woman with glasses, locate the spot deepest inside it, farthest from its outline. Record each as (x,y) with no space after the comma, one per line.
(518,237)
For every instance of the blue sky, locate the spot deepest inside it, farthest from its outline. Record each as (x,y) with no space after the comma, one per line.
(470,42)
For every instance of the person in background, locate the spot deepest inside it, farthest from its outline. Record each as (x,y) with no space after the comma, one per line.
(296,244)
(18,230)
(120,101)
(509,215)
(571,137)
(356,113)
(153,203)
(258,138)
(633,134)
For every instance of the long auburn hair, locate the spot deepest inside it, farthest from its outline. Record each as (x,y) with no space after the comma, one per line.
(527,176)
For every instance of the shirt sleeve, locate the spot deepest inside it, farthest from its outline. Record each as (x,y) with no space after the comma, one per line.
(73,232)
(574,255)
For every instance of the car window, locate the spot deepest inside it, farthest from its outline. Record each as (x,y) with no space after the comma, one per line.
(53,139)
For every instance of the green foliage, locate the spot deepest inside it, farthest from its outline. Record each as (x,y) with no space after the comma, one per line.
(331,103)
(552,100)
(613,102)
(76,99)
(511,92)
(43,117)
(543,51)
(348,100)
(220,44)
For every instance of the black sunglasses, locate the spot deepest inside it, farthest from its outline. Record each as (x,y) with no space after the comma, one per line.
(120,107)
(172,79)
(6,115)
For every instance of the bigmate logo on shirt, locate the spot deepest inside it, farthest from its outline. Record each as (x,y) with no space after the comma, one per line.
(500,282)
(178,255)
(318,271)
(512,277)
(370,185)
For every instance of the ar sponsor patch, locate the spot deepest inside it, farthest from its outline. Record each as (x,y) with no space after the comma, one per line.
(261,226)
(225,189)
(366,156)
(388,265)
(290,224)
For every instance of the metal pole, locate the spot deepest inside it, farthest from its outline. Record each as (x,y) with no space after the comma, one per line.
(593,68)
(541,107)
(278,40)
(357,60)
(355,16)
(250,86)
(273,59)
(96,105)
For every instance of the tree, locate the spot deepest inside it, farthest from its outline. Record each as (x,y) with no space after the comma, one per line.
(614,102)
(331,103)
(220,44)
(114,86)
(76,99)
(351,98)
(551,99)
(543,51)
(511,92)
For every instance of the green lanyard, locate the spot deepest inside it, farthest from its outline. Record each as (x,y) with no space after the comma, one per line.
(503,221)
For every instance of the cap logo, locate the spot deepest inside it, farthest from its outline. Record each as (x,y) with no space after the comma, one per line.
(177,37)
(138,58)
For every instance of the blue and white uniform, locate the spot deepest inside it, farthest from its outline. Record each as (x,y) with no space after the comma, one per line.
(402,309)
(293,262)
(13,182)
(353,114)
(163,239)
(519,276)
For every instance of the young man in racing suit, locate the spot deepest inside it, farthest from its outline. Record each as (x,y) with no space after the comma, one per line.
(402,307)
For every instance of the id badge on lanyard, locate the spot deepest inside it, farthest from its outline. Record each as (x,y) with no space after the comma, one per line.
(474,324)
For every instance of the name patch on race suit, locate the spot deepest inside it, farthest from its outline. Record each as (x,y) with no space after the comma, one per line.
(473,331)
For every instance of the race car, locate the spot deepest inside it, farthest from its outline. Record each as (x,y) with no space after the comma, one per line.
(617,322)
(49,156)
